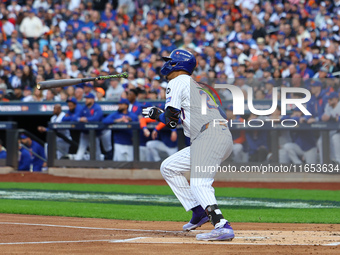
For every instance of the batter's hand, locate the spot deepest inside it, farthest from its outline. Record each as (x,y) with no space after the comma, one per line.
(152,112)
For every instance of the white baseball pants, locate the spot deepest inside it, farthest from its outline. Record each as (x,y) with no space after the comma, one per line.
(295,153)
(157,146)
(209,149)
(83,144)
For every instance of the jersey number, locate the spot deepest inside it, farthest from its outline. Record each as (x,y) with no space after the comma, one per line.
(208,99)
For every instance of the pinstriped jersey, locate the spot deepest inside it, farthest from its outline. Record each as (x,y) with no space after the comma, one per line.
(185,94)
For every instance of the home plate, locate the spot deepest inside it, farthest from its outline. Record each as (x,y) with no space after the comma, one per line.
(254,238)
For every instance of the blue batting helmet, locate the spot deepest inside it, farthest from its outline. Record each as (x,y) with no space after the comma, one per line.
(179,60)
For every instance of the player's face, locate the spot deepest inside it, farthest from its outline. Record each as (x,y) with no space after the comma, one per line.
(122,107)
(56,110)
(89,102)
(131,96)
(26,141)
(71,105)
(333,102)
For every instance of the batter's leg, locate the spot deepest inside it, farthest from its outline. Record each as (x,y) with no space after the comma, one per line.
(208,150)
(172,169)
(171,151)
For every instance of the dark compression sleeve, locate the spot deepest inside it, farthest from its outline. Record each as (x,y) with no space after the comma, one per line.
(170,117)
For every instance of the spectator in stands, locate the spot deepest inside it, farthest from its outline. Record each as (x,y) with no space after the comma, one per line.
(50,95)
(115,90)
(3,152)
(28,78)
(17,95)
(100,94)
(16,80)
(79,94)
(88,89)
(31,27)
(70,91)
(2,99)
(123,149)
(37,152)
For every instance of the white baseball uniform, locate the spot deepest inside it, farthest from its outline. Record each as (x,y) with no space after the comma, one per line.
(62,145)
(334,136)
(210,144)
(156,146)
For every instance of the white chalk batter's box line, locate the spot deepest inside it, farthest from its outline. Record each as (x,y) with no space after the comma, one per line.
(129,240)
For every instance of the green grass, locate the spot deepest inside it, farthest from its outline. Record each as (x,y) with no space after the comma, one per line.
(162,213)
(165,190)
(170,213)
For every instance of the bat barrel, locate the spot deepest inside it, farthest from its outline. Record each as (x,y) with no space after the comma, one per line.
(70,82)
(57,83)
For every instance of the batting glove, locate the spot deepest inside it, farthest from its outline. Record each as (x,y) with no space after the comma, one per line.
(152,112)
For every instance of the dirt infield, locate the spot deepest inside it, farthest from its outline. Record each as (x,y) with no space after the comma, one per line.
(25,234)
(42,177)
(29,234)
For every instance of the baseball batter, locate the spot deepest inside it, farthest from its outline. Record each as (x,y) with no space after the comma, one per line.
(211,143)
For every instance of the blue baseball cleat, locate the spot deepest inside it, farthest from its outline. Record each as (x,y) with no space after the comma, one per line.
(226,233)
(191,226)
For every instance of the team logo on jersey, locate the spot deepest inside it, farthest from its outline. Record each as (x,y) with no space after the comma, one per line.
(208,92)
(168,90)
(168,99)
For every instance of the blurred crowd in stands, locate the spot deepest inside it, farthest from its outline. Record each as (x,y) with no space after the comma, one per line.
(249,43)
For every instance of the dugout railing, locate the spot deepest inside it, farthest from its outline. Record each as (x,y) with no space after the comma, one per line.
(12,136)
(273,130)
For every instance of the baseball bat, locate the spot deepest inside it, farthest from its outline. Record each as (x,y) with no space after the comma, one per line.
(69,82)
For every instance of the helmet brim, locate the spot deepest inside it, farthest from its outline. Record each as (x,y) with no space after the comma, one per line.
(166,59)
